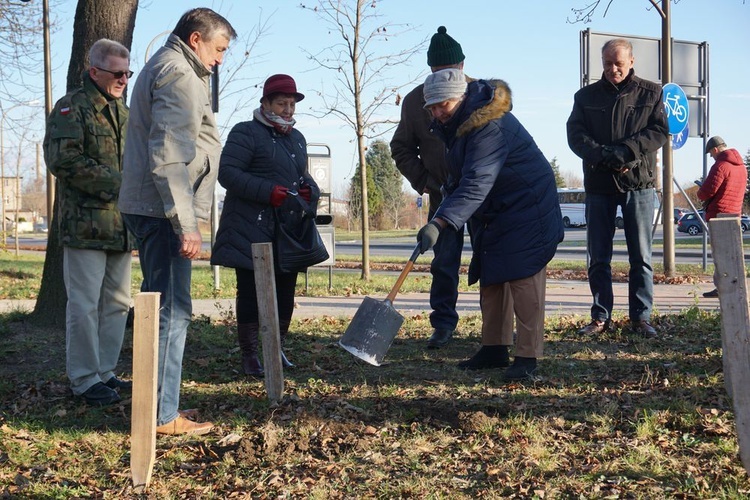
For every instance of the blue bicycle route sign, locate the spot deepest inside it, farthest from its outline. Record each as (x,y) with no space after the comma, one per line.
(676,107)
(679,140)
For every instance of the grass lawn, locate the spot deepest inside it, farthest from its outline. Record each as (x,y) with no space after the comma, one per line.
(609,416)
(21,277)
(613,416)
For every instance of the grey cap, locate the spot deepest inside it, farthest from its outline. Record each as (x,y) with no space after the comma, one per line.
(714,142)
(443,85)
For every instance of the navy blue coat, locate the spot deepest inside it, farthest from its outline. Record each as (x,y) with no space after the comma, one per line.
(254,160)
(501,184)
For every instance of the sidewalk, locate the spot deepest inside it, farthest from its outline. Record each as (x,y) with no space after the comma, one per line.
(564,297)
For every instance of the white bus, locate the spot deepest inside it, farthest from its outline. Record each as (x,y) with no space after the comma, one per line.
(573,207)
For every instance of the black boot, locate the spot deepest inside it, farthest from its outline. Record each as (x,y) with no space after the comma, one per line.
(247,335)
(283,330)
(522,369)
(489,356)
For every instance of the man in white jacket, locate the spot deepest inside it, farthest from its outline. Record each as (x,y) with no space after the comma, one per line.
(169,173)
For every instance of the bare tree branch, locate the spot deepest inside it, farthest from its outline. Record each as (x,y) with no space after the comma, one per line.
(361,85)
(585,14)
(233,84)
(21,54)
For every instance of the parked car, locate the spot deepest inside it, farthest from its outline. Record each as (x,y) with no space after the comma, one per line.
(678,213)
(690,224)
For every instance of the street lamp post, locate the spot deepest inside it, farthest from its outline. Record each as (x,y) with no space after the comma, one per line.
(2,155)
(47,98)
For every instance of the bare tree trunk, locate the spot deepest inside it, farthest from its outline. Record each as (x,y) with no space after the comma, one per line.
(353,50)
(94,20)
(361,148)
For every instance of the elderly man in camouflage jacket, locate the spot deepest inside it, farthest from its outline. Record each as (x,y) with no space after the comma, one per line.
(83,147)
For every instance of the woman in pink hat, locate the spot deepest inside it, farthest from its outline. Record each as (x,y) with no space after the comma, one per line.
(263,167)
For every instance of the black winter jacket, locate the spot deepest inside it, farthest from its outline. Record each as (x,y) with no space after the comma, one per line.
(254,160)
(604,115)
(501,183)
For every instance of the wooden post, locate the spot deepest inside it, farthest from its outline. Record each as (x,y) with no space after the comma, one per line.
(268,319)
(145,365)
(729,277)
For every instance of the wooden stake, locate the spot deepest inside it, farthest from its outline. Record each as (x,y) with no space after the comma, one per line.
(145,365)
(729,277)
(268,319)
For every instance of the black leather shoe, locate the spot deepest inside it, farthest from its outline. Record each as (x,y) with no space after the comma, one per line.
(644,328)
(488,357)
(439,338)
(594,328)
(521,369)
(100,395)
(713,294)
(117,384)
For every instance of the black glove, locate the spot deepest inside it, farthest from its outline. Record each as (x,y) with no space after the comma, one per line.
(428,235)
(615,157)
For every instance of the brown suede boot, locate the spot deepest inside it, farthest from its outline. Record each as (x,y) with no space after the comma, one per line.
(283,330)
(247,335)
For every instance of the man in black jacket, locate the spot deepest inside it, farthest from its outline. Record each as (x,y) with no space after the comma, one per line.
(420,157)
(616,126)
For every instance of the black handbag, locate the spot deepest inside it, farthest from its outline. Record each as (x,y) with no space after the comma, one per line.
(298,244)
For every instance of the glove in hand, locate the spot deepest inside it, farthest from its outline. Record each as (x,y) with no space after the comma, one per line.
(616,157)
(278,195)
(305,193)
(428,236)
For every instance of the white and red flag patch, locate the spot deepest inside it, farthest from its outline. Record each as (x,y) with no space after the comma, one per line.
(64,111)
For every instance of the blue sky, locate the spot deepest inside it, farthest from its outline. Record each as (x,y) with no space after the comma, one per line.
(528,44)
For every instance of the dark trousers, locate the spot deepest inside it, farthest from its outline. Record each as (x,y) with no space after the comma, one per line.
(247,298)
(444,269)
(167,272)
(637,213)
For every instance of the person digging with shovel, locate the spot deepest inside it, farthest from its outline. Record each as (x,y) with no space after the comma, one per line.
(502,185)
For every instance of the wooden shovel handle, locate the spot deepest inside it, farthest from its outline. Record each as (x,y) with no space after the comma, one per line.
(400,281)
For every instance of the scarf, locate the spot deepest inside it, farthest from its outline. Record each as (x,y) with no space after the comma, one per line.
(271,119)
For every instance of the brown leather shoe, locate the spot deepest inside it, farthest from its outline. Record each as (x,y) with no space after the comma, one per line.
(181,426)
(594,328)
(644,328)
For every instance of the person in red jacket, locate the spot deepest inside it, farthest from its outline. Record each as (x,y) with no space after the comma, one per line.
(723,190)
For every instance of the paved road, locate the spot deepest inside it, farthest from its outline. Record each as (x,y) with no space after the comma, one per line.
(564,298)
(404,246)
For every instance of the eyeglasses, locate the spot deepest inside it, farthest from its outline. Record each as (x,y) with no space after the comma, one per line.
(116,74)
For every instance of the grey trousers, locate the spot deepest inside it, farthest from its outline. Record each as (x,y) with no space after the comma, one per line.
(98,286)
(527,297)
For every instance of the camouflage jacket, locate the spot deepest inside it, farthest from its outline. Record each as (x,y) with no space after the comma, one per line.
(83,148)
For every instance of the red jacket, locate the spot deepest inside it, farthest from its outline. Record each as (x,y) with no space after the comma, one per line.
(725,185)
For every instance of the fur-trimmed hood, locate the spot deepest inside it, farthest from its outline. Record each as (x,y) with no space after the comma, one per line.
(486,101)
(499,182)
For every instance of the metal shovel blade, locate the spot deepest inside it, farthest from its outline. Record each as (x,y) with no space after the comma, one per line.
(372,330)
